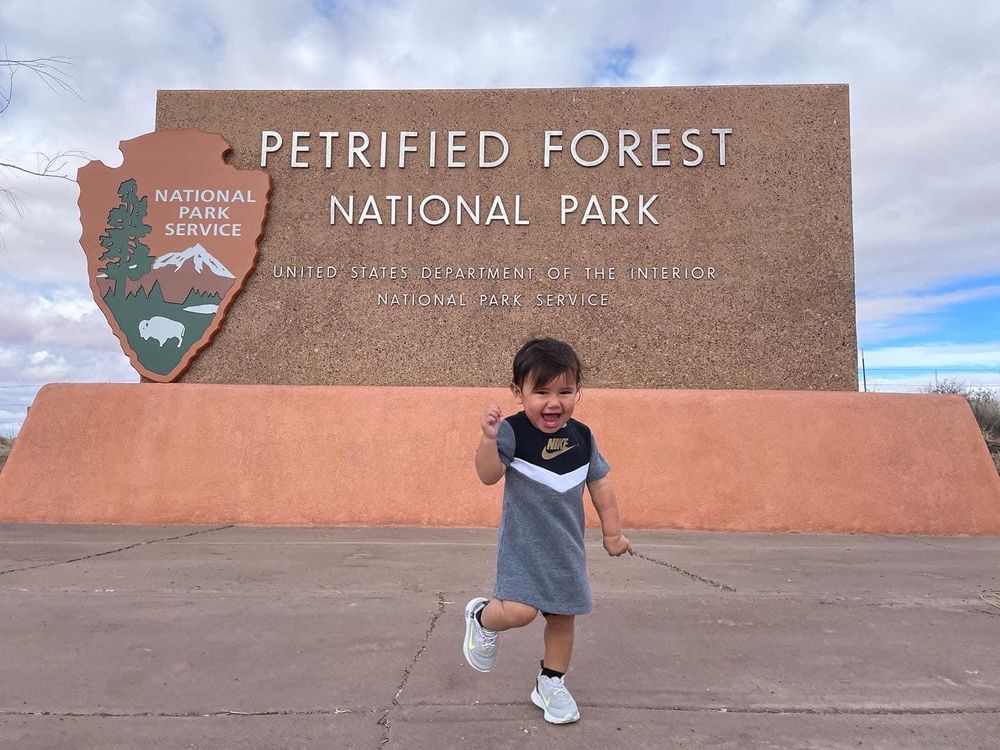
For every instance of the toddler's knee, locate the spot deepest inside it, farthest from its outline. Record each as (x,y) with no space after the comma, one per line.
(519,614)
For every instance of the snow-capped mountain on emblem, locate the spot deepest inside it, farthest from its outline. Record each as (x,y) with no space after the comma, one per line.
(164,282)
(192,270)
(197,255)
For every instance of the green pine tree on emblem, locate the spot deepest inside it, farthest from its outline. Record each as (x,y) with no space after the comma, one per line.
(126,254)
(160,324)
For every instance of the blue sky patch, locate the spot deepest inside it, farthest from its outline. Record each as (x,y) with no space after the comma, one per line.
(615,64)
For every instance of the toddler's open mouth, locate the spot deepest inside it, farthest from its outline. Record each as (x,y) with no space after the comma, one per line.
(551,420)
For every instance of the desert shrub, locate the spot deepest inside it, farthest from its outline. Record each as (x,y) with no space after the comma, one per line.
(986,406)
(950,385)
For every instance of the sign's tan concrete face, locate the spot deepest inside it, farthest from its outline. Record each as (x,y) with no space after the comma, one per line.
(737,274)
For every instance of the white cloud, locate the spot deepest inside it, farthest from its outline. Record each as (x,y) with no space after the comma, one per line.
(26,365)
(63,317)
(881,332)
(941,355)
(55,336)
(881,308)
(903,316)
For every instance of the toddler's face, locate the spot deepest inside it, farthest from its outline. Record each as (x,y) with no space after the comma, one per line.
(548,406)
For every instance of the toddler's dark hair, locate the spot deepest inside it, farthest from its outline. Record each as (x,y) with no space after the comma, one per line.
(545,360)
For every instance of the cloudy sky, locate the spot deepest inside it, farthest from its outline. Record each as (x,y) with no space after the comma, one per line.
(925,110)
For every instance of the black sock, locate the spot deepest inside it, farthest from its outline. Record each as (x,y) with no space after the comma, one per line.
(546,672)
(479,617)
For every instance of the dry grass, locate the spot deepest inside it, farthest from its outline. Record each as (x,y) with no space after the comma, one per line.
(986,407)
(5,446)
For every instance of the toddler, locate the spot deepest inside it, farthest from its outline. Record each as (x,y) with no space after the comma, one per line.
(546,457)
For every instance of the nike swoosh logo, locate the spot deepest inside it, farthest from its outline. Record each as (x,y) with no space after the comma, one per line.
(547,454)
(472,643)
(545,698)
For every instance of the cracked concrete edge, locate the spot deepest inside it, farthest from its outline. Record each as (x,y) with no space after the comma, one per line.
(928,710)
(113,551)
(384,721)
(766,710)
(182,714)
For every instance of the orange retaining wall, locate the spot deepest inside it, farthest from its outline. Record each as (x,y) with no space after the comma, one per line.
(737,460)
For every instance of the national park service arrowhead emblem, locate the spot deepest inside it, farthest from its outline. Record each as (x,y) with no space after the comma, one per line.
(170,237)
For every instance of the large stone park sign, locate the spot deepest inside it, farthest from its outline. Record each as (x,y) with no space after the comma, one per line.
(694,244)
(679,237)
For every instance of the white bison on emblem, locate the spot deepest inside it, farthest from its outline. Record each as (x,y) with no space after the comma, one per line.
(162,329)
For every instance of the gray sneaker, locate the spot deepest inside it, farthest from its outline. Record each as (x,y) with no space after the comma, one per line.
(480,646)
(551,695)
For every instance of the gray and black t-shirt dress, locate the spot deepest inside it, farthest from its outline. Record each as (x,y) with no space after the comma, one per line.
(540,555)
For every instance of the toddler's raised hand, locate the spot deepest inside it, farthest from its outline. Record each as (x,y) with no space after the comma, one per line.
(490,421)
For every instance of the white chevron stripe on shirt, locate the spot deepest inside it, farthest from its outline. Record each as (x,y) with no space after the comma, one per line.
(558,482)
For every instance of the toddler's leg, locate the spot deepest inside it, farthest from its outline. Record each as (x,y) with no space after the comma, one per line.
(550,693)
(559,630)
(483,620)
(503,615)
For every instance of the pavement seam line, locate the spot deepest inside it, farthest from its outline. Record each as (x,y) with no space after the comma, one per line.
(693,576)
(766,710)
(179,715)
(384,721)
(113,551)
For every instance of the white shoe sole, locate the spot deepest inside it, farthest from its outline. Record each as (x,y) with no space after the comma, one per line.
(537,700)
(470,616)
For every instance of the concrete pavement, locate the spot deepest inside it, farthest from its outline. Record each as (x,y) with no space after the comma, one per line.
(218,637)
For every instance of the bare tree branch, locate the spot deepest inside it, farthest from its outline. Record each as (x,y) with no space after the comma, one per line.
(50,70)
(60,160)
(46,170)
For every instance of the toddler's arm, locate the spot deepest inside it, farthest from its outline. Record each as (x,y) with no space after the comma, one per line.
(602,494)
(488,465)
